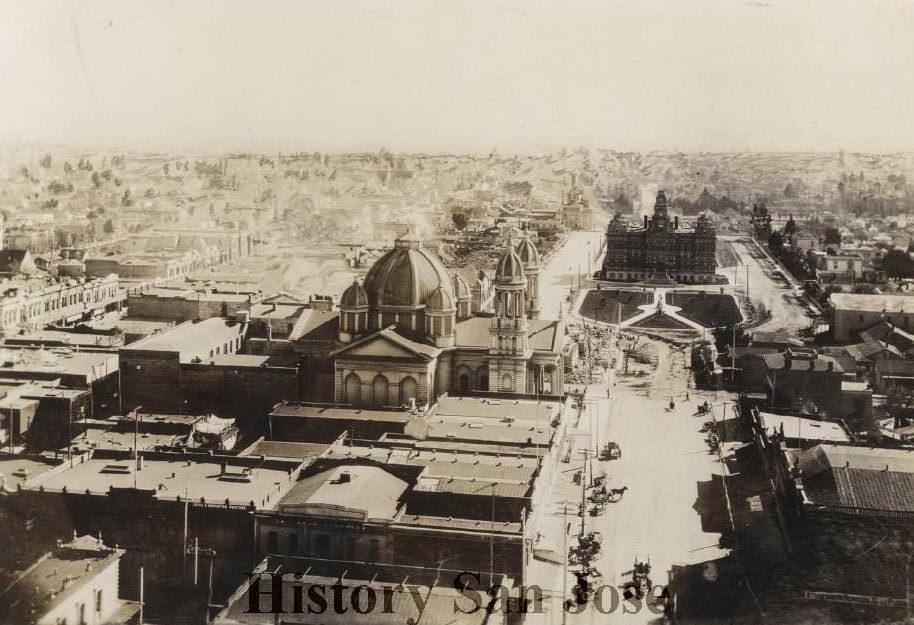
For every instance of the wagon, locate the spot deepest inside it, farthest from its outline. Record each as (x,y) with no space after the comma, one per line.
(610,451)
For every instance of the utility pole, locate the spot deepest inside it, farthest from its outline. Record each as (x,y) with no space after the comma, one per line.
(140,620)
(196,559)
(733,356)
(747,282)
(584,481)
(565,560)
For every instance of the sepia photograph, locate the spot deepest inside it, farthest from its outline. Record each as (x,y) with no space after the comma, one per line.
(456,312)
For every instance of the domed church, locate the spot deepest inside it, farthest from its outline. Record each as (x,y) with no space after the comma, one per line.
(412,331)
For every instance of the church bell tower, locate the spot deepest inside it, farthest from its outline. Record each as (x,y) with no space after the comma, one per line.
(509,348)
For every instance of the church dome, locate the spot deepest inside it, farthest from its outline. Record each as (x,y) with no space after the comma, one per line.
(354,297)
(461,288)
(440,300)
(510,268)
(528,253)
(405,276)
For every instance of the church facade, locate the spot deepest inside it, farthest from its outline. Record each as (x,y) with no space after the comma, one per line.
(660,250)
(409,332)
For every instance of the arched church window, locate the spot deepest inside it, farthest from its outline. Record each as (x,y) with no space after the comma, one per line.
(352,389)
(379,390)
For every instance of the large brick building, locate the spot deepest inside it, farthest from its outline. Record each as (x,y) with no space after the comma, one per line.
(660,250)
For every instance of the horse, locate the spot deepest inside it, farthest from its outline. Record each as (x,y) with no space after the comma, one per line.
(614,492)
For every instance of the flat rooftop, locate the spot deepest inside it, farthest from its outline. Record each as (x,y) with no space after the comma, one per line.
(803,428)
(191,338)
(276,311)
(83,339)
(318,411)
(194,295)
(17,469)
(444,464)
(61,361)
(107,438)
(238,360)
(490,408)
(487,431)
(286,449)
(173,475)
(439,609)
(872,303)
(452,523)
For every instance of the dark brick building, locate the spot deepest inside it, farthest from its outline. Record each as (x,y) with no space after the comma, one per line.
(660,250)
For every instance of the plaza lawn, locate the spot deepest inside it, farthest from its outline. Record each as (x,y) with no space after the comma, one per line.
(707,309)
(603,305)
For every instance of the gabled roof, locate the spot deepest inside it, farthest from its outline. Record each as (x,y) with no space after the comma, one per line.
(868,349)
(8,258)
(545,334)
(889,333)
(819,364)
(316,325)
(859,477)
(895,367)
(368,346)
(368,491)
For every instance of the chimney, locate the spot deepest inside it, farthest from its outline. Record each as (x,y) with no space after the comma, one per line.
(675,222)
(812,364)
(831,365)
(645,222)
(787,359)
(224,468)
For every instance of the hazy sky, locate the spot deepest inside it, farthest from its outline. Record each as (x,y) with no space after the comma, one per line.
(519,76)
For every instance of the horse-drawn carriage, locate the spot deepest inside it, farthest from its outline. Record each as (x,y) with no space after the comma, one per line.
(610,451)
(587,549)
(640,583)
(713,442)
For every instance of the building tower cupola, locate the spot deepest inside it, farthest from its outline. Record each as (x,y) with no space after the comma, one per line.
(509,343)
(661,206)
(353,312)
(440,318)
(464,297)
(410,240)
(530,257)
(510,270)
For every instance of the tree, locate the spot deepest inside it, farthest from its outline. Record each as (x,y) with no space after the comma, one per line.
(776,242)
(790,227)
(832,236)
(108,227)
(897,264)
(705,202)
(460,221)
(790,192)
(864,289)
(827,291)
